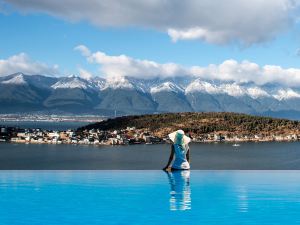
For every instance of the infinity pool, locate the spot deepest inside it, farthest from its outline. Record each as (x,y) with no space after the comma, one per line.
(149,197)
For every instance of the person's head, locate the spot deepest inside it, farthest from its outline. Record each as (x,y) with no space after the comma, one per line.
(179,137)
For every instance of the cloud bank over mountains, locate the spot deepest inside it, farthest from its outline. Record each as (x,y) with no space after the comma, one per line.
(229,70)
(219,22)
(119,66)
(23,63)
(122,65)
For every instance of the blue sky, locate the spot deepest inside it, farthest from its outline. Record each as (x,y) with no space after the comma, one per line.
(46,36)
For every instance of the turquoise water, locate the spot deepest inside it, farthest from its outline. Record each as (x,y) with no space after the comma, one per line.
(149,197)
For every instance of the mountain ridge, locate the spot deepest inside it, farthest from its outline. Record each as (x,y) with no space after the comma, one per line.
(127,95)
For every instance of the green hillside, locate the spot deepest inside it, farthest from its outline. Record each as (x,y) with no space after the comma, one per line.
(201,123)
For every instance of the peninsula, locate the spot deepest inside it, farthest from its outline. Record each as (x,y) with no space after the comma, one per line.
(150,129)
(206,126)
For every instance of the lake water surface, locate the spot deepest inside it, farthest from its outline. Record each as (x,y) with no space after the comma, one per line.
(221,156)
(149,197)
(46,125)
(215,156)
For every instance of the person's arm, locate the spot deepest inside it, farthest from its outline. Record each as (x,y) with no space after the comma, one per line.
(170,158)
(188,154)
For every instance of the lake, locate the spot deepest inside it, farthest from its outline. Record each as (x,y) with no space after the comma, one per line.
(219,156)
(149,197)
(45,125)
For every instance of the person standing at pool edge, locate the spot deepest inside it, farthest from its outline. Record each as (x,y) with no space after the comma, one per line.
(181,150)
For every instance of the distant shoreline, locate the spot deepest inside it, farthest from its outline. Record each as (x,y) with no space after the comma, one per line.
(203,126)
(154,129)
(50,118)
(49,142)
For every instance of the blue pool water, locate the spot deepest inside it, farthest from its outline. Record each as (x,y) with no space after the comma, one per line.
(149,197)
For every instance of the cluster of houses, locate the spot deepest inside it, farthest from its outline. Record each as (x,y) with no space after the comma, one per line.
(218,137)
(130,135)
(93,136)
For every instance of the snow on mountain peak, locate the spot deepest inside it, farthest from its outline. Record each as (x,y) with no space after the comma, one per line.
(256,92)
(166,86)
(18,79)
(202,86)
(154,86)
(98,82)
(233,89)
(284,94)
(70,82)
(118,83)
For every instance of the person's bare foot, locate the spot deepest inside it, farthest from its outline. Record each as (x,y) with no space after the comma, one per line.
(167,169)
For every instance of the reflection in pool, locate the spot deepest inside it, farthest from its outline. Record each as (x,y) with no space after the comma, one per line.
(149,197)
(180,194)
(242,195)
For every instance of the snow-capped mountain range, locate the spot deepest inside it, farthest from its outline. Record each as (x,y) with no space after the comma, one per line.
(127,95)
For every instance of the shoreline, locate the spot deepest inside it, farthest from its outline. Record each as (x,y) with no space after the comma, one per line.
(133,136)
(192,142)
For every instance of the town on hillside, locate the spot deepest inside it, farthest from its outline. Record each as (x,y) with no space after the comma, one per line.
(129,135)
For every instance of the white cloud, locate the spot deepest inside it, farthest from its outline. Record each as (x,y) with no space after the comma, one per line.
(83,50)
(229,70)
(199,33)
(242,21)
(22,63)
(249,72)
(123,65)
(214,21)
(85,74)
